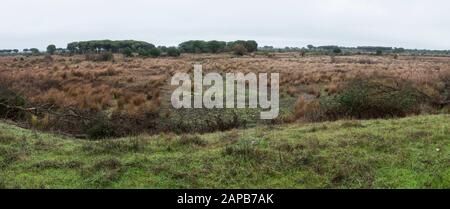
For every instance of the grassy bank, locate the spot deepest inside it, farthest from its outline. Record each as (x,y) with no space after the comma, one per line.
(412,152)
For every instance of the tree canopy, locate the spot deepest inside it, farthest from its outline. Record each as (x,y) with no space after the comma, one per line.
(83,47)
(199,46)
(51,49)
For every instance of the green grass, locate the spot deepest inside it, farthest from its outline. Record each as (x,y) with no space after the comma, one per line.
(411,152)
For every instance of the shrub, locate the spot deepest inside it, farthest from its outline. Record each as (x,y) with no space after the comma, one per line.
(101,57)
(155,52)
(127,52)
(35,51)
(173,52)
(101,128)
(366,99)
(10,104)
(366,61)
(250,45)
(144,53)
(337,51)
(206,120)
(194,46)
(51,49)
(371,98)
(216,46)
(239,50)
(299,108)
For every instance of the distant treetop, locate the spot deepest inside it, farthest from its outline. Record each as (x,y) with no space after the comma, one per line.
(108,45)
(200,46)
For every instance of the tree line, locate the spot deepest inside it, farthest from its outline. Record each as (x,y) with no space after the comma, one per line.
(335,50)
(131,48)
(9,50)
(83,47)
(200,46)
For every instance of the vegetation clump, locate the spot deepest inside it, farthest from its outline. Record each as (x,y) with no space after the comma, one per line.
(101,128)
(239,50)
(100,57)
(365,98)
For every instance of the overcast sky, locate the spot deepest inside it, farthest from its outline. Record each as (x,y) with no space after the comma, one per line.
(401,23)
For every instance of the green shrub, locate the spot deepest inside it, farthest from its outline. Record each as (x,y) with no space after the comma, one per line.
(51,49)
(127,52)
(144,53)
(10,104)
(216,46)
(101,128)
(365,98)
(194,46)
(173,52)
(375,99)
(337,51)
(206,120)
(155,52)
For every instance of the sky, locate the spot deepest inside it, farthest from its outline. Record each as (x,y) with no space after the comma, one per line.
(422,24)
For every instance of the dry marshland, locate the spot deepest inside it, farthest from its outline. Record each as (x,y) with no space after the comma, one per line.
(136,87)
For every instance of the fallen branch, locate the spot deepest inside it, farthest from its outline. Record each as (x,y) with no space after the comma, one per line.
(18,107)
(41,109)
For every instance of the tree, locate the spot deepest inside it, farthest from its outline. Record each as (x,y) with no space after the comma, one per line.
(251,46)
(194,46)
(72,47)
(310,47)
(173,52)
(155,52)
(127,52)
(162,48)
(337,51)
(216,46)
(51,49)
(34,51)
(108,45)
(399,50)
(144,53)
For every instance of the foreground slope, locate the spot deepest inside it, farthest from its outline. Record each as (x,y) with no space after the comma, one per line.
(412,152)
